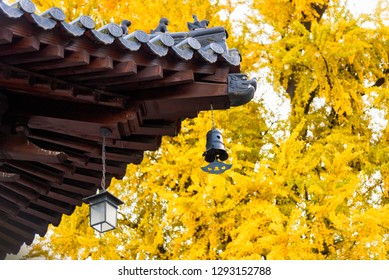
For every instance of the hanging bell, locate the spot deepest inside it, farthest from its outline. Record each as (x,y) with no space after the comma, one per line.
(215,148)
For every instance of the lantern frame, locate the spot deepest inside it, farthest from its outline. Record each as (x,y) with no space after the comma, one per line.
(103,211)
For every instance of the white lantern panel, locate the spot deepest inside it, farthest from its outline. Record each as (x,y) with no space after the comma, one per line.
(97,213)
(111,214)
(106,227)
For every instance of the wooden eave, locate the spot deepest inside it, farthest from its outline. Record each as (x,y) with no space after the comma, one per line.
(61,82)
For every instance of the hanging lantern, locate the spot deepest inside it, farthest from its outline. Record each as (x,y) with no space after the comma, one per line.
(103,211)
(103,205)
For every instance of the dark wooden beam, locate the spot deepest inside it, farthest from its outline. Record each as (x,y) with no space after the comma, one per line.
(84,178)
(3,218)
(117,169)
(97,64)
(36,171)
(9,239)
(25,45)
(74,143)
(159,128)
(43,215)
(84,191)
(60,167)
(34,184)
(70,198)
(73,156)
(17,147)
(27,106)
(46,53)
(85,122)
(8,207)
(20,190)
(54,205)
(148,73)
(9,177)
(177,108)
(13,197)
(42,90)
(10,250)
(38,225)
(5,36)
(20,230)
(186,91)
(173,79)
(121,69)
(127,156)
(71,59)
(26,82)
(220,76)
(184,100)
(134,142)
(6,247)
(82,129)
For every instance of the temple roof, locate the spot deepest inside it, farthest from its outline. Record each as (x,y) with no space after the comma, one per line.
(61,82)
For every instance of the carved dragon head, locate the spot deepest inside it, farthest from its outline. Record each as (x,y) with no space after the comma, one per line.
(240,89)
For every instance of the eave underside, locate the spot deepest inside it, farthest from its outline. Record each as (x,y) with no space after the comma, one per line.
(56,92)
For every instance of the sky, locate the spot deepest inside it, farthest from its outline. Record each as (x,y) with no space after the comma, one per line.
(362,6)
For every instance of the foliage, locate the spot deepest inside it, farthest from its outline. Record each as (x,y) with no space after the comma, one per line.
(315,186)
(144,15)
(174,210)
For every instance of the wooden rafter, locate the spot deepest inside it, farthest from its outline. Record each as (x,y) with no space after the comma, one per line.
(61,82)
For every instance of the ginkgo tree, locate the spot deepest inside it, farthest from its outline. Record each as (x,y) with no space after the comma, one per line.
(312,186)
(143,15)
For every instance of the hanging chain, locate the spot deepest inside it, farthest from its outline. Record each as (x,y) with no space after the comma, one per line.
(213,119)
(103,163)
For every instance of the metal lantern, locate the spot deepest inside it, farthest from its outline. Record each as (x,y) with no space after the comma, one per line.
(103,211)
(103,205)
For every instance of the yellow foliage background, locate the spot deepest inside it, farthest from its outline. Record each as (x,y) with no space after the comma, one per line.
(313,185)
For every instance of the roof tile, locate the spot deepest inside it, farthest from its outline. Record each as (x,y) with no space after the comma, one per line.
(66,80)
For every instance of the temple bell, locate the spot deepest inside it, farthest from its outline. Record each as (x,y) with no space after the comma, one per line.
(215,147)
(215,153)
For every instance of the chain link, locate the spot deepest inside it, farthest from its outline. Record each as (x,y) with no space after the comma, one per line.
(103,162)
(213,119)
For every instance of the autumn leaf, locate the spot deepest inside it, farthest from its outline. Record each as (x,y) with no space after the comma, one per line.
(313,186)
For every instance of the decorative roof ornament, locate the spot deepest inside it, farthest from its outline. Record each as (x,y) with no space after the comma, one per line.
(240,89)
(125,24)
(197,24)
(162,26)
